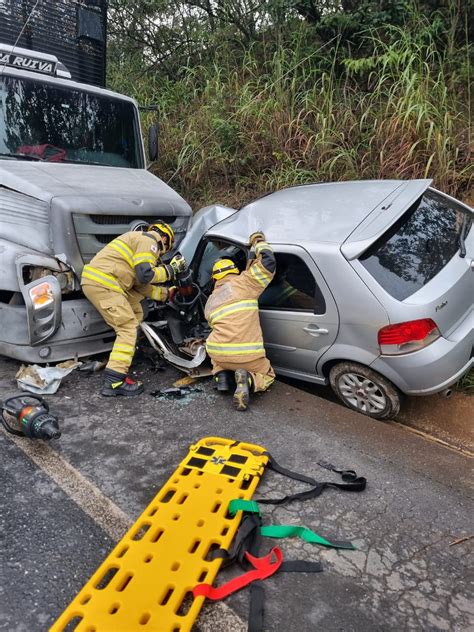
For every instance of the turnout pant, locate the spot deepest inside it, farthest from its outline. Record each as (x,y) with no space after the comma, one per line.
(123,313)
(260,369)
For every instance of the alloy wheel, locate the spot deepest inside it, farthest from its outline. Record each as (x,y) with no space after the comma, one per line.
(362,393)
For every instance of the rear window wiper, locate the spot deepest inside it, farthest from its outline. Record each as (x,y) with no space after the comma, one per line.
(22,156)
(466,224)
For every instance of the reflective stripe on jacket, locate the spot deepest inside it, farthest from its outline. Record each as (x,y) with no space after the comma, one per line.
(129,260)
(232,310)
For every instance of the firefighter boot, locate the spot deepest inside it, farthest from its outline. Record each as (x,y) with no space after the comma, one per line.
(119,384)
(222,381)
(242,392)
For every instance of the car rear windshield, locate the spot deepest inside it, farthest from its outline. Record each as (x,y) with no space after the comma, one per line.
(418,246)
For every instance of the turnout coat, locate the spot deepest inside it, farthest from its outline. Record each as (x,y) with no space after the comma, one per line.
(130,261)
(232,310)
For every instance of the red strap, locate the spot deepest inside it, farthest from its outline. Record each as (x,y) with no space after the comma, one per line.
(264,567)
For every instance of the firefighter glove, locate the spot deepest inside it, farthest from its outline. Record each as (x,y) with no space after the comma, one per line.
(256,237)
(178,264)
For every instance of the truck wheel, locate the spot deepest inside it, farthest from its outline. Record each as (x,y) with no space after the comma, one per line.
(364,390)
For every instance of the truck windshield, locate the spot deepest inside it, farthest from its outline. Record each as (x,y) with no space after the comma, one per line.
(59,124)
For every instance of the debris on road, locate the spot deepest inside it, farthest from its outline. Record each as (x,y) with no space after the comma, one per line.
(175,393)
(461,540)
(93,366)
(44,380)
(187,380)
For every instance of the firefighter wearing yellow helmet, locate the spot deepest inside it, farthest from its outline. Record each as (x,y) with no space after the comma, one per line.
(235,344)
(116,280)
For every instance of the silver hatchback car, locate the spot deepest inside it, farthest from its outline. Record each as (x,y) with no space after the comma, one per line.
(374,291)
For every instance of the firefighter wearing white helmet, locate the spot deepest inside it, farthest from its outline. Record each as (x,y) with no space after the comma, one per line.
(235,344)
(116,280)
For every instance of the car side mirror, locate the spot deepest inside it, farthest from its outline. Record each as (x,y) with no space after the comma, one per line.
(153,142)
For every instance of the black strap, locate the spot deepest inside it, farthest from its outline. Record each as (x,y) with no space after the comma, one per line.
(247,538)
(257,591)
(256,607)
(353,483)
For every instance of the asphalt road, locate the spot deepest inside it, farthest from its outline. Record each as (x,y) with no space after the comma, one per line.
(64,505)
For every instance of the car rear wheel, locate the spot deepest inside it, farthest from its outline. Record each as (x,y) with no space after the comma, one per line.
(364,390)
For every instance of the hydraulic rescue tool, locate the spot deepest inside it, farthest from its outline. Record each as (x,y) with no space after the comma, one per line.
(29,416)
(183,311)
(184,282)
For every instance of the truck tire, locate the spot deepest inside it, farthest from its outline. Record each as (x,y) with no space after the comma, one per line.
(364,390)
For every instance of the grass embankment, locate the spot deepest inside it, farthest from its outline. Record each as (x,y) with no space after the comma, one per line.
(466,384)
(291,113)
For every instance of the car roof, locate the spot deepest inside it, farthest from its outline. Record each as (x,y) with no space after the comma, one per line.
(322,213)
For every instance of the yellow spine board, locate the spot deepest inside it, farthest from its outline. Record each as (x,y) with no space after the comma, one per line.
(146,581)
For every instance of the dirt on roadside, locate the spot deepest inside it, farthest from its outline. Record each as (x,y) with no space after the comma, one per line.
(448,420)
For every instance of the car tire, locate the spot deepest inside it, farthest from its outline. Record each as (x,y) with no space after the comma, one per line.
(364,390)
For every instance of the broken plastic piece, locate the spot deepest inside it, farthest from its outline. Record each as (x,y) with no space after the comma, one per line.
(175,393)
(44,380)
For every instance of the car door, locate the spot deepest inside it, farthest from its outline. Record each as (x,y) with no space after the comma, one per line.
(298,314)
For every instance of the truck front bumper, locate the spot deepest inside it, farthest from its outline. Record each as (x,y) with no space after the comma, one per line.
(82,332)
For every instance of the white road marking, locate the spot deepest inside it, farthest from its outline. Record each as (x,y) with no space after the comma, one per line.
(85,494)
(113,520)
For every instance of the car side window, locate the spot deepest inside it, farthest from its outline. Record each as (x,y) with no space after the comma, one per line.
(293,288)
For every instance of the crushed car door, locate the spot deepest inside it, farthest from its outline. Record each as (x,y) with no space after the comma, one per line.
(298,314)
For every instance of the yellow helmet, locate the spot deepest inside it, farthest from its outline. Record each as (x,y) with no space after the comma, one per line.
(164,230)
(222,268)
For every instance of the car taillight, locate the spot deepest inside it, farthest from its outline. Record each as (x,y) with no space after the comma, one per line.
(407,337)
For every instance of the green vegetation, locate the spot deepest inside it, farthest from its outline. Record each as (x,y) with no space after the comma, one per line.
(344,94)
(466,384)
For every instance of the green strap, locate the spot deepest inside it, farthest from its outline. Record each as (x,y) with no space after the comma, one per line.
(285,531)
(249,506)
(289,531)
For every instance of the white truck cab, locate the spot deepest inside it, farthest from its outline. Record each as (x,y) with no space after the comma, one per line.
(72,177)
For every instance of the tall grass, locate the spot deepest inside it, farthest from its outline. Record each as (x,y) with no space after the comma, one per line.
(296,113)
(466,383)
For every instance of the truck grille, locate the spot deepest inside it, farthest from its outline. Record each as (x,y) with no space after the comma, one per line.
(93,232)
(122,219)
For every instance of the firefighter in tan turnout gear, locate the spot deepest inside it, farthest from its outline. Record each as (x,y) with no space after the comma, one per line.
(235,344)
(116,280)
